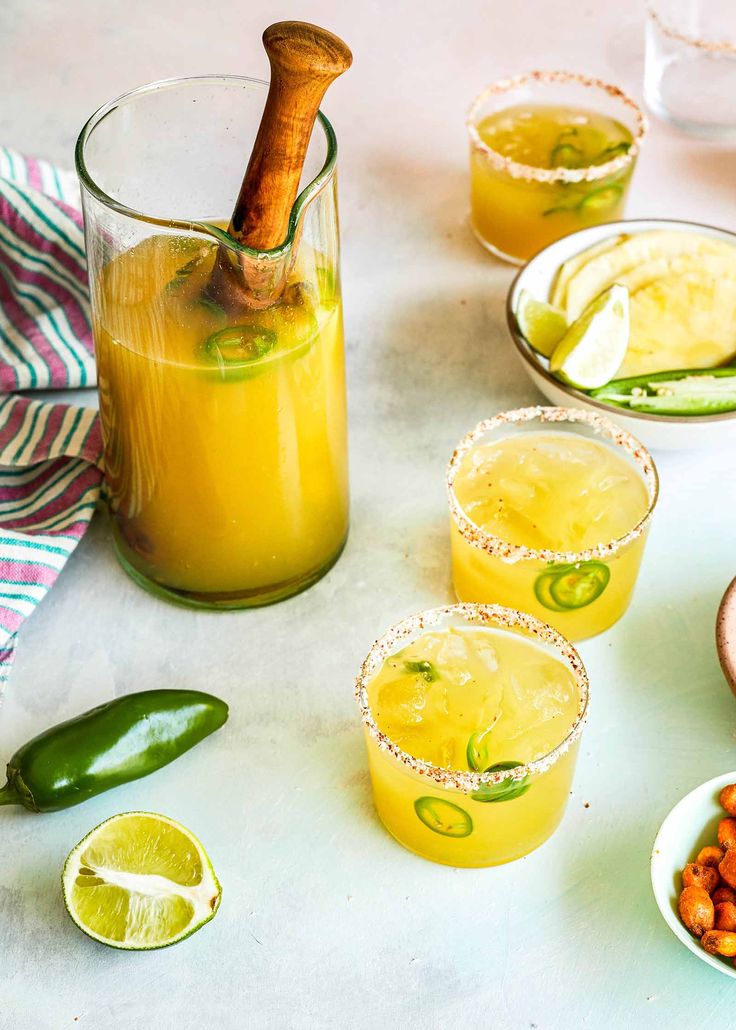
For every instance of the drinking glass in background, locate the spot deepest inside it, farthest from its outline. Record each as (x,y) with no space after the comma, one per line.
(690,65)
(551,152)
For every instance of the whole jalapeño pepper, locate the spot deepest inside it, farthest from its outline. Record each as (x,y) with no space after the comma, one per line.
(112,744)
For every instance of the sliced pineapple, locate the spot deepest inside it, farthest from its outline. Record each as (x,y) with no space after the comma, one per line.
(714,265)
(574,264)
(596,274)
(685,319)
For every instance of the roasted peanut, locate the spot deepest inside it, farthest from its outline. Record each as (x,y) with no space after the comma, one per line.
(727,797)
(719,942)
(696,910)
(727,833)
(727,869)
(722,895)
(725,916)
(710,856)
(705,876)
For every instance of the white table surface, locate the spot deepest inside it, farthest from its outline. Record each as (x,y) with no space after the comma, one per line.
(325,921)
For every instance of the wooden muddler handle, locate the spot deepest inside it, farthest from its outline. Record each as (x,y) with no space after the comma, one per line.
(304,61)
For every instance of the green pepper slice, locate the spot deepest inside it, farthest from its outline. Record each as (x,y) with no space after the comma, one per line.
(616,150)
(602,199)
(443,817)
(235,350)
(476,753)
(425,669)
(566,155)
(506,790)
(566,587)
(543,592)
(689,391)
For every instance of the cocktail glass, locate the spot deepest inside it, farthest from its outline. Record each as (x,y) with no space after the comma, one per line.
(455,816)
(580,593)
(517,209)
(690,65)
(224,425)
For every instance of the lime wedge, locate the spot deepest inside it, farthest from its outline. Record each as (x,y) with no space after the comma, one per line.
(140,881)
(593,349)
(541,324)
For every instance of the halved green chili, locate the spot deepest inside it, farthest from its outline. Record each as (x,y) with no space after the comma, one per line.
(689,391)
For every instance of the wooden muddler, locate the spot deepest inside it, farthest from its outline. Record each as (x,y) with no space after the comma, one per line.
(304,61)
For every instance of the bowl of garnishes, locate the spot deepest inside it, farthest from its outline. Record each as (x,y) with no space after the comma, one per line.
(637,319)
(694,872)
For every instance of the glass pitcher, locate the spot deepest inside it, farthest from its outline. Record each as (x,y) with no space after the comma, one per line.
(224,425)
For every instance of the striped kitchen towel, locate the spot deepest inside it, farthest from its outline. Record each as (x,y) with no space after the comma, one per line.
(50,454)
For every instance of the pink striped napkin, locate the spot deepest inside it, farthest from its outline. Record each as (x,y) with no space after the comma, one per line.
(50,454)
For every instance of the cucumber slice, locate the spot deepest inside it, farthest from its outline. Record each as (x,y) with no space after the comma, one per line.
(443,817)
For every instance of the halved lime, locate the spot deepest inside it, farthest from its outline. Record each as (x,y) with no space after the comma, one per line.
(593,349)
(443,817)
(541,324)
(140,881)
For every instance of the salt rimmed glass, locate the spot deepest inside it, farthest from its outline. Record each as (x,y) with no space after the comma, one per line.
(489,569)
(690,65)
(493,833)
(518,209)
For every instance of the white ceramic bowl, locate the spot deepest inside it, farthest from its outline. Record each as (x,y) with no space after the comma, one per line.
(691,825)
(667,432)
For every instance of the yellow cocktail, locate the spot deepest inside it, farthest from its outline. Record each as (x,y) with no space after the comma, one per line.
(550,510)
(225,434)
(472,718)
(221,368)
(550,153)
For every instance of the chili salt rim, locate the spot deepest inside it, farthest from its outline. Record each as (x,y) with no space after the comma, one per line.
(712,46)
(486,614)
(511,553)
(516,169)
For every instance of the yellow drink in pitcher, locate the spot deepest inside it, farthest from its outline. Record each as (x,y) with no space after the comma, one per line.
(550,153)
(460,701)
(225,435)
(550,522)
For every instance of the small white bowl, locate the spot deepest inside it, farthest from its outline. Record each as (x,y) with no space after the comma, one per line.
(667,432)
(690,826)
